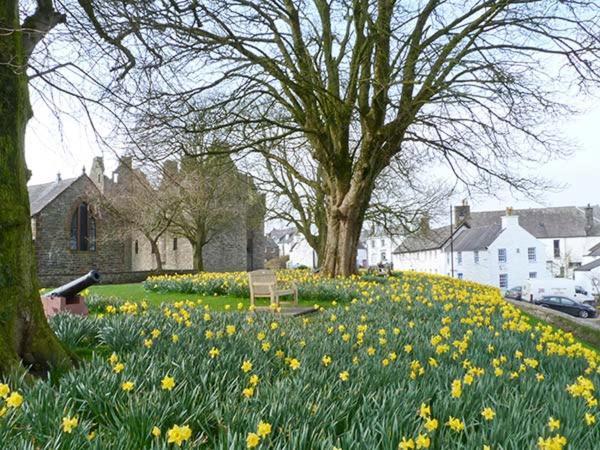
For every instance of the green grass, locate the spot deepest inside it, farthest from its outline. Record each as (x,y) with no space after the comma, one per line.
(135,292)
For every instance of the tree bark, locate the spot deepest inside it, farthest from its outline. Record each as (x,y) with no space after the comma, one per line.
(198,263)
(156,253)
(26,339)
(345,216)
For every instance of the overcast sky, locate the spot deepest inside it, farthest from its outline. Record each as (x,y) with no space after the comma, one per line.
(67,147)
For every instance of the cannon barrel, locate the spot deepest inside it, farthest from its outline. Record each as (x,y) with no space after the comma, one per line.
(74,287)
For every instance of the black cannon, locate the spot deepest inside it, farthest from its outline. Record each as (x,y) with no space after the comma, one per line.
(72,288)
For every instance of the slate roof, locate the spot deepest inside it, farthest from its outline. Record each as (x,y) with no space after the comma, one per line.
(40,195)
(589,266)
(595,250)
(282,235)
(430,240)
(476,238)
(556,222)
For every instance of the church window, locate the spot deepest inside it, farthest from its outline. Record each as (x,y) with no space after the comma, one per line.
(83,229)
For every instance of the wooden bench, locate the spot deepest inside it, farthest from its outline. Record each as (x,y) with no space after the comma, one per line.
(263,283)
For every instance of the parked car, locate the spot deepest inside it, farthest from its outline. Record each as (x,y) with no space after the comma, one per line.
(514,293)
(535,289)
(567,305)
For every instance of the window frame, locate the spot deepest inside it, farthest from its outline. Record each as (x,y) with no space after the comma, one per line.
(82,228)
(532,254)
(500,278)
(502,259)
(556,247)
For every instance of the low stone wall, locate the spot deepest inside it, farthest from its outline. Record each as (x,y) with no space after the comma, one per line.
(54,280)
(587,330)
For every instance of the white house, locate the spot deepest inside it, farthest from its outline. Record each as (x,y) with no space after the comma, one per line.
(285,238)
(567,232)
(380,245)
(500,254)
(503,255)
(302,254)
(293,244)
(423,252)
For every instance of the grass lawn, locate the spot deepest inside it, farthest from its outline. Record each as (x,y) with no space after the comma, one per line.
(135,292)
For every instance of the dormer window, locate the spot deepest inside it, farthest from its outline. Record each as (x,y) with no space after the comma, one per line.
(83,229)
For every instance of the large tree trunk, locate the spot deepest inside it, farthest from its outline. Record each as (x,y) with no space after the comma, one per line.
(345,215)
(25,337)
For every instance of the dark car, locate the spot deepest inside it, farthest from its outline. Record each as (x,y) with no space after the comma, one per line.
(514,293)
(568,306)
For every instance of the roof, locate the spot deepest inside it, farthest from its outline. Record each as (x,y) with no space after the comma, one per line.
(476,238)
(555,222)
(595,250)
(270,243)
(282,235)
(40,195)
(589,266)
(428,240)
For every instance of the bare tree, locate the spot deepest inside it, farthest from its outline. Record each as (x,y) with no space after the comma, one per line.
(141,207)
(211,195)
(365,82)
(401,198)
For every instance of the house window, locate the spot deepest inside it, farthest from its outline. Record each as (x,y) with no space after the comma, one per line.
(531,255)
(137,248)
(532,274)
(476,256)
(503,280)
(460,275)
(502,255)
(383,243)
(556,248)
(383,257)
(83,229)
(174,243)
(459,258)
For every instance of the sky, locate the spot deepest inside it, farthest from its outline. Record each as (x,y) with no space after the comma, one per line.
(69,145)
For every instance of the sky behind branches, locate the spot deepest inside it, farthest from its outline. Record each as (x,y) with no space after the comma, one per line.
(66,146)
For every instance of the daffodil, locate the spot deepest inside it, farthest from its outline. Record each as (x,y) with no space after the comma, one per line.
(128,386)
(167,383)
(263,429)
(14,400)
(69,424)
(177,435)
(252,440)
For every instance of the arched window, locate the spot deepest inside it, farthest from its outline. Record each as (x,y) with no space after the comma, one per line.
(83,229)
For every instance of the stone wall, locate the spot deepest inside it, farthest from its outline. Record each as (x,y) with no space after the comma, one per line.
(226,251)
(47,281)
(52,232)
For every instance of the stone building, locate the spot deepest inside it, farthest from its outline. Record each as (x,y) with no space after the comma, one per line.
(75,233)
(71,232)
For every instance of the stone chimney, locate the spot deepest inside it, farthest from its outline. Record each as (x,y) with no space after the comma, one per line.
(58,177)
(424,226)
(509,220)
(589,219)
(127,161)
(462,214)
